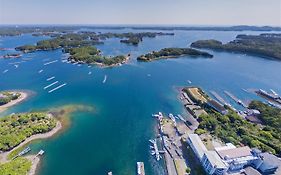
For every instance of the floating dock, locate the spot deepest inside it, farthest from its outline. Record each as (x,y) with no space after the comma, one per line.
(140,168)
(154,149)
(56,88)
(51,84)
(51,62)
(49,79)
(23,152)
(105,78)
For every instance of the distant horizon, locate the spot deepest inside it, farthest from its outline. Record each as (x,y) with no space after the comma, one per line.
(140,25)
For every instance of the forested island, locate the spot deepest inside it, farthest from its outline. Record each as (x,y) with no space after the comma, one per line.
(64,41)
(70,40)
(91,55)
(266,45)
(173,53)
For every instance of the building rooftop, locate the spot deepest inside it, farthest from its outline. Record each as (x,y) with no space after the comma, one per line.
(270,161)
(250,171)
(227,146)
(235,152)
(198,144)
(215,160)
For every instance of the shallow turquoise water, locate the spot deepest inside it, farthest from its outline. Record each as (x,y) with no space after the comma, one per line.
(115,136)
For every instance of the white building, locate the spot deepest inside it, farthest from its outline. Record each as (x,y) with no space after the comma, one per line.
(237,158)
(196,145)
(213,164)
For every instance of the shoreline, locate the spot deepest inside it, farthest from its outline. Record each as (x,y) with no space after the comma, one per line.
(23,96)
(35,160)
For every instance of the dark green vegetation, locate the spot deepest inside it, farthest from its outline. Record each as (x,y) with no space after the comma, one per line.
(18,166)
(6,97)
(267,45)
(132,38)
(70,40)
(16,128)
(233,128)
(270,116)
(64,41)
(91,55)
(173,53)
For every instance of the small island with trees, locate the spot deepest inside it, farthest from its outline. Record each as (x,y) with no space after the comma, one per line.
(91,55)
(265,45)
(173,53)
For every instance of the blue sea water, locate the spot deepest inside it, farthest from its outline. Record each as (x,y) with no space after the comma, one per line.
(115,136)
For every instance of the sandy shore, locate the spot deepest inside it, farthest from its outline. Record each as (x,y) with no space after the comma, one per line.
(35,160)
(23,96)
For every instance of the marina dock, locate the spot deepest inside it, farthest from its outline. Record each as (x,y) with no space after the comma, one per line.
(238,101)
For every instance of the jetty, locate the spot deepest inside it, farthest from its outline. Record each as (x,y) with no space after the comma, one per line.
(51,62)
(56,88)
(23,152)
(154,149)
(238,101)
(51,84)
(140,168)
(49,79)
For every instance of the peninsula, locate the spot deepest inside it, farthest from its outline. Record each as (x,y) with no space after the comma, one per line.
(11,98)
(229,126)
(173,53)
(18,130)
(265,45)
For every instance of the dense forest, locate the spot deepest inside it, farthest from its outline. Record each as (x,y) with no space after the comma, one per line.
(233,128)
(18,166)
(266,45)
(173,53)
(91,55)
(14,129)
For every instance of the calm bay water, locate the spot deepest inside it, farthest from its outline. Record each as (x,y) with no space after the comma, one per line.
(115,136)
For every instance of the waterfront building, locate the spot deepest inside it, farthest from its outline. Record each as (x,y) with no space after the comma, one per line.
(237,158)
(267,163)
(213,164)
(196,145)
